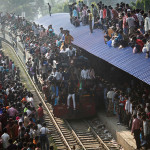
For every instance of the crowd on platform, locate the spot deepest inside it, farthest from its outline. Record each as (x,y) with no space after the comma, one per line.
(132,105)
(64,71)
(123,26)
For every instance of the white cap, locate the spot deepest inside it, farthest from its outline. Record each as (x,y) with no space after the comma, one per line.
(128,10)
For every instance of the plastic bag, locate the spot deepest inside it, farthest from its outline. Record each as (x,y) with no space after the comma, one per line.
(109,43)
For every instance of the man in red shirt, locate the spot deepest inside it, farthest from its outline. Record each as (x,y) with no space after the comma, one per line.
(114,15)
(105,14)
(40,113)
(125,25)
(12,112)
(136,124)
(148,114)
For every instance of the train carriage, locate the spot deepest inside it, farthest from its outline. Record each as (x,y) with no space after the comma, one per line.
(85,107)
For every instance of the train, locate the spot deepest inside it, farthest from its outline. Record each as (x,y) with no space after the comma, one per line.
(85,103)
(85,108)
(85,99)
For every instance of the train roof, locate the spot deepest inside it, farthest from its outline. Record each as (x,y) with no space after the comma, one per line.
(134,64)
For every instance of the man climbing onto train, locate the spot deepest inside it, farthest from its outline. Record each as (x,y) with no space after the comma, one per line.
(71,93)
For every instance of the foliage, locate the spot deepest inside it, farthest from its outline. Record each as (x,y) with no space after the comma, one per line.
(146,5)
(142,4)
(93,1)
(79,0)
(30,7)
(133,4)
(65,7)
(95,4)
(61,7)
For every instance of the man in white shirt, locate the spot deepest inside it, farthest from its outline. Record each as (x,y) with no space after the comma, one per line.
(48,55)
(146,129)
(5,137)
(7,90)
(29,112)
(43,137)
(58,75)
(101,14)
(39,127)
(63,50)
(84,73)
(55,64)
(61,33)
(130,21)
(147,23)
(24,23)
(127,109)
(30,100)
(110,95)
(70,51)
(127,105)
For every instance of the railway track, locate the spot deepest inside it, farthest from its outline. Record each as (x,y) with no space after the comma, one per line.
(67,135)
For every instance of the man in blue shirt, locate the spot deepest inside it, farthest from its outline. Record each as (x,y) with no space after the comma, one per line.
(1,67)
(75,13)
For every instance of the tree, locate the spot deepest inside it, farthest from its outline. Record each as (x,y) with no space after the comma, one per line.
(30,7)
(146,5)
(142,4)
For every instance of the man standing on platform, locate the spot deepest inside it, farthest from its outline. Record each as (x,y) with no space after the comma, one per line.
(110,102)
(90,21)
(49,6)
(136,124)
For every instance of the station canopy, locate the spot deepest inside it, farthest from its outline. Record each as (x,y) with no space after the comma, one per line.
(134,64)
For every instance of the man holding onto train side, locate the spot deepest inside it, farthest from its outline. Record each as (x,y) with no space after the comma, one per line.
(61,33)
(71,93)
(70,51)
(84,73)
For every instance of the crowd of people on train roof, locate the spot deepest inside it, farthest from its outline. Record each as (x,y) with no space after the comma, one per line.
(64,72)
(123,26)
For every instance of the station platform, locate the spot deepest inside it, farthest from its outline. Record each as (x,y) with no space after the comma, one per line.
(119,132)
